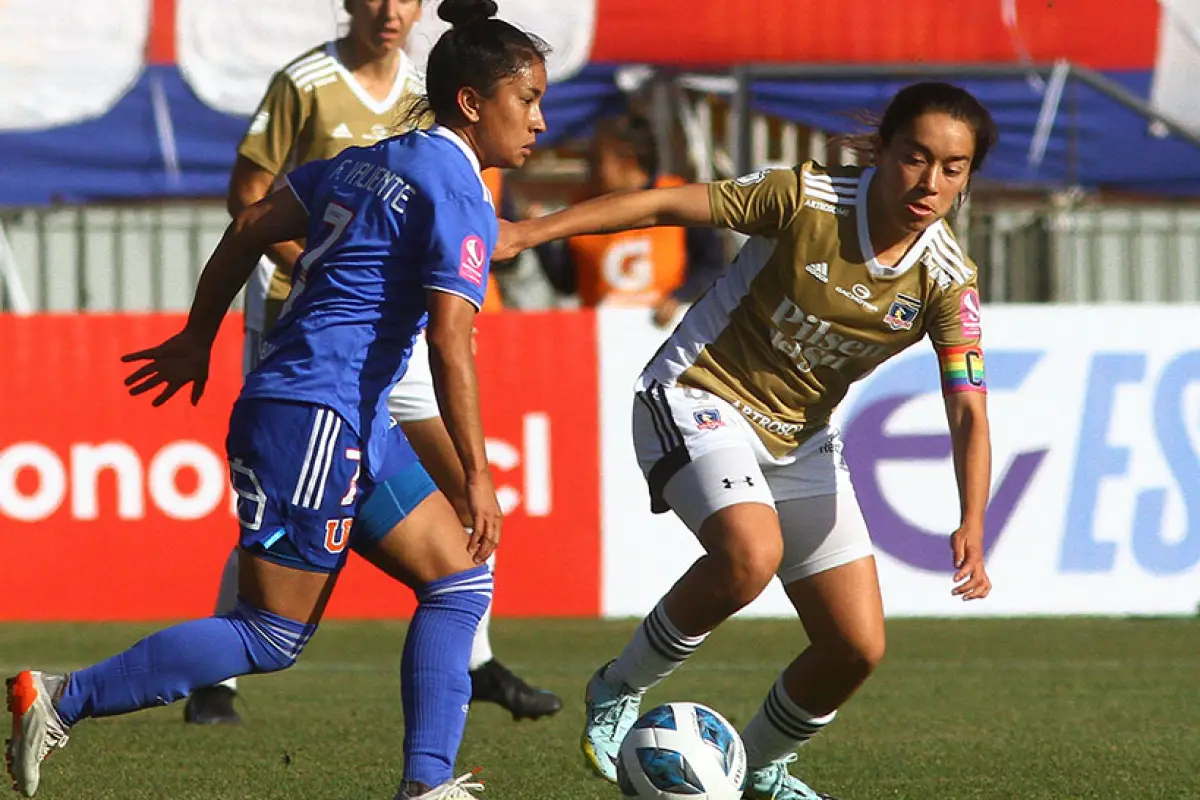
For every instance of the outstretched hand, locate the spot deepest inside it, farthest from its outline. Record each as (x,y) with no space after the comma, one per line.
(175,363)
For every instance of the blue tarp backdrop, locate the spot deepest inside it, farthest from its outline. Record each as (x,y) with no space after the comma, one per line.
(161,140)
(1095,142)
(130,153)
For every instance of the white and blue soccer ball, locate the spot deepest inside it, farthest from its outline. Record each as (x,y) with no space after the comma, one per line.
(682,751)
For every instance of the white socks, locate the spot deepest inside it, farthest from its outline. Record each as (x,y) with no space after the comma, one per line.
(779,727)
(656,650)
(481,647)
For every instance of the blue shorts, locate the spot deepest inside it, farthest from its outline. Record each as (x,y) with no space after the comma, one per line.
(296,470)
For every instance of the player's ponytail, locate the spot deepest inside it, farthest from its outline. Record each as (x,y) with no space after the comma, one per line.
(863,143)
(460,13)
(479,51)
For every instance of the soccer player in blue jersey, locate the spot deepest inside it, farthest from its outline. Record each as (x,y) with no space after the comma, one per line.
(398,233)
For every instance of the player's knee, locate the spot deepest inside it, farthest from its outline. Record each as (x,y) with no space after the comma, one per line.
(743,554)
(858,653)
(272,642)
(469,592)
(866,654)
(748,566)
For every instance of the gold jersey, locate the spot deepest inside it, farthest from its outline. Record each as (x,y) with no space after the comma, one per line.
(806,309)
(314,109)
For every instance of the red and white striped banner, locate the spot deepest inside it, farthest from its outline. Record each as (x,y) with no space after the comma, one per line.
(227,50)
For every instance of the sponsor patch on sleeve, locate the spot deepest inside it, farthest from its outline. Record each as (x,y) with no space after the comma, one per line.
(471,260)
(752,178)
(259,125)
(968,314)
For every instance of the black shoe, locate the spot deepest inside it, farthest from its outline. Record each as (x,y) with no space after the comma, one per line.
(494,683)
(212,705)
(411,789)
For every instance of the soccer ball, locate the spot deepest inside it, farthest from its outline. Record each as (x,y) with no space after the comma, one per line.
(682,751)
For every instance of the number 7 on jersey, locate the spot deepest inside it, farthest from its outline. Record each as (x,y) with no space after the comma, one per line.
(338,217)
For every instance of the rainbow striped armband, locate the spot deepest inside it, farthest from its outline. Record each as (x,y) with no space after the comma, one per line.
(962,369)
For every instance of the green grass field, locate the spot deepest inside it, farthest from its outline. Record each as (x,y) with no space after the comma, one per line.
(1028,709)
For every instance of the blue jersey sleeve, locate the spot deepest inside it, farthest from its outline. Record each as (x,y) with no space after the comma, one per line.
(305,179)
(463,232)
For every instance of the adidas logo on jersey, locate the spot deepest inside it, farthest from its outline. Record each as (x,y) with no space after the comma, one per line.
(819,270)
(342,131)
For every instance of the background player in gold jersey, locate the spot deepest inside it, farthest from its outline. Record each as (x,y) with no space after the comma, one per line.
(341,93)
(847,267)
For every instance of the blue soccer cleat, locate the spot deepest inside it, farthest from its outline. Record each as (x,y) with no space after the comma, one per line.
(774,782)
(612,709)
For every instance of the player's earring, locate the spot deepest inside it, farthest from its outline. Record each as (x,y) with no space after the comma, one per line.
(961,200)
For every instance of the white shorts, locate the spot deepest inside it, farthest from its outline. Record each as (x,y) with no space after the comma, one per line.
(251,351)
(699,455)
(413,398)
(255,316)
(256,295)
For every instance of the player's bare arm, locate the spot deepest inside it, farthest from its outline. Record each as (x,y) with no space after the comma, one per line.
(183,358)
(966,413)
(248,184)
(276,218)
(620,211)
(452,362)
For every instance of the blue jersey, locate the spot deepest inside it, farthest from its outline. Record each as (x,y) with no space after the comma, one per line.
(386,223)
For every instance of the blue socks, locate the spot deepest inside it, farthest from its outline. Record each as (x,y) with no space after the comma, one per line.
(168,665)
(435,684)
(434,681)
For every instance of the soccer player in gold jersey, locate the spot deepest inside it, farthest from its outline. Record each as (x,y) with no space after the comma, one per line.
(846,267)
(351,91)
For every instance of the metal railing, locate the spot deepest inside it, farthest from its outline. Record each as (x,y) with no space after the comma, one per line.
(148,258)
(108,258)
(1091,254)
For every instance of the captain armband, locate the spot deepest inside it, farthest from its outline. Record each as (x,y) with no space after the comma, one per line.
(962,369)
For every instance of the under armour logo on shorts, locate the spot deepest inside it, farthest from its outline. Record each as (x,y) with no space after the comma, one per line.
(730,482)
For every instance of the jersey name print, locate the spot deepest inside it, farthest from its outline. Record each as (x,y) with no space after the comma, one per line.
(314,109)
